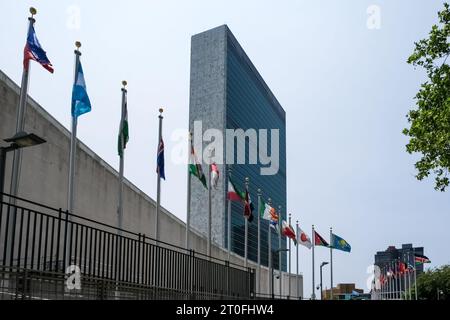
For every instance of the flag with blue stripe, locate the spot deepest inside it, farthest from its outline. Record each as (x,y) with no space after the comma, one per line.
(80,98)
(34,51)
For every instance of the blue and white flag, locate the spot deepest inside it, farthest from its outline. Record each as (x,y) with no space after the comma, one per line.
(80,98)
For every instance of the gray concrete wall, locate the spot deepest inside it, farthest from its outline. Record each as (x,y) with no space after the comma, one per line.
(44,177)
(207,104)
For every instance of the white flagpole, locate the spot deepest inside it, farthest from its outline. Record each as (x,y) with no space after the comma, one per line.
(404,285)
(409,284)
(269,247)
(298,244)
(385,284)
(229,216)
(20,125)
(122,156)
(400,284)
(158,181)
(209,205)
(313,295)
(389,285)
(415,281)
(331,264)
(188,204)
(415,275)
(73,141)
(279,252)
(246,229)
(388,292)
(289,283)
(393,286)
(396,284)
(409,276)
(258,285)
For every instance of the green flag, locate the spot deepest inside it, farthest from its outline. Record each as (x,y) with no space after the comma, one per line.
(123,131)
(195,168)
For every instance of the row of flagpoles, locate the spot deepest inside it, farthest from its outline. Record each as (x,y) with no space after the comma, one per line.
(81,105)
(266,212)
(390,278)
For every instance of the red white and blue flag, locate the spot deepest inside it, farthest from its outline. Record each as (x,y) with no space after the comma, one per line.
(160,160)
(34,51)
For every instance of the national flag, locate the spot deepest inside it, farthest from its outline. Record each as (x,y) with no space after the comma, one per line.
(289,232)
(34,51)
(195,168)
(123,130)
(339,243)
(160,160)
(319,241)
(303,238)
(214,175)
(419,259)
(248,206)
(274,226)
(234,194)
(266,211)
(80,98)
(402,267)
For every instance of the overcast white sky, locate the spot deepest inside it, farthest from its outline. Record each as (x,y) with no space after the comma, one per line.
(346,90)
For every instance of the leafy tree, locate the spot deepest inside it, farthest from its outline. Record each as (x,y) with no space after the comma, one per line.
(432,281)
(430,122)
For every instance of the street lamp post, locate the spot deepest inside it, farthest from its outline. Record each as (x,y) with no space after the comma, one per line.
(18,141)
(321,266)
(279,267)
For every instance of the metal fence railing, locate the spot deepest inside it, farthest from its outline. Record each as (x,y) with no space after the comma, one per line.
(38,243)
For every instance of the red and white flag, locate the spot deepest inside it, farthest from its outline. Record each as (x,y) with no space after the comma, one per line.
(303,238)
(288,231)
(214,175)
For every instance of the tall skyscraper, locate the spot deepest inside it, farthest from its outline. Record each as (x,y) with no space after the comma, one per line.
(227,92)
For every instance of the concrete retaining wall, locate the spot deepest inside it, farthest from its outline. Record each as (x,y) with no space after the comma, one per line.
(44,176)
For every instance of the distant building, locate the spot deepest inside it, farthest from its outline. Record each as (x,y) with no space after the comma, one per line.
(344,291)
(388,259)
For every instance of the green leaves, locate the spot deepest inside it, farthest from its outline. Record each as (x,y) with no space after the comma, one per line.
(431,281)
(429,130)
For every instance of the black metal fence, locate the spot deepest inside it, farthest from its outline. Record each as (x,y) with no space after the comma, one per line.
(40,242)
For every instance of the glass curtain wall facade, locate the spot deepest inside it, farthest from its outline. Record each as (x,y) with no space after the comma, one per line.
(249,105)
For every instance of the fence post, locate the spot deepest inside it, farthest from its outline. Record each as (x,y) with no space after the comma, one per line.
(65,242)
(191,273)
(58,241)
(227,264)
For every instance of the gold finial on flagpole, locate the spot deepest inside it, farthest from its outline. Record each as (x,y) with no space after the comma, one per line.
(33,11)
(124,83)
(161,110)
(77,50)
